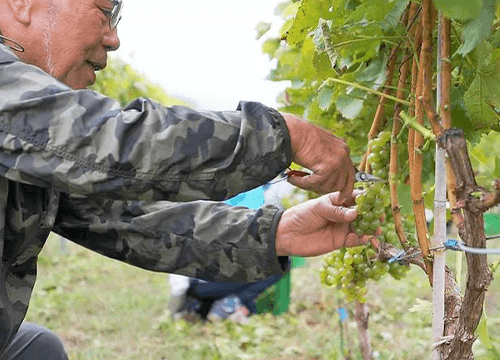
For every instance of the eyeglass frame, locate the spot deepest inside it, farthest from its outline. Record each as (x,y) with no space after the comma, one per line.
(114,15)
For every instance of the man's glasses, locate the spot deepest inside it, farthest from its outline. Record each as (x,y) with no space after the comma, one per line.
(115,14)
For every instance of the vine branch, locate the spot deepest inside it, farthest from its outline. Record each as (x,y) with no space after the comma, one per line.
(416,149)
(472,233)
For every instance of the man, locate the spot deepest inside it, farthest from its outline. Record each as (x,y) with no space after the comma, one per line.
(138,184)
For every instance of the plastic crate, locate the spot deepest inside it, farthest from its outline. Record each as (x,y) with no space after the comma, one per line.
(491,224)
(276,299)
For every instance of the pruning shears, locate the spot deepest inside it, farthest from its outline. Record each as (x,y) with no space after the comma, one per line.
(360,176)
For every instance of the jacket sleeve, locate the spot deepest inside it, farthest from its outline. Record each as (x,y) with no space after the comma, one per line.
(84,143)
(201,239)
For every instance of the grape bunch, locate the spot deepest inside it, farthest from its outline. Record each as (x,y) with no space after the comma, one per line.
(372,205)
(380,154)
(350,269)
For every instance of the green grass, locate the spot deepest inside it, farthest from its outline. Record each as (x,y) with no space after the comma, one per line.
(104,309)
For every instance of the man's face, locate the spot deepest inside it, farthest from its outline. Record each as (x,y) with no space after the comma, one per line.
(77,37)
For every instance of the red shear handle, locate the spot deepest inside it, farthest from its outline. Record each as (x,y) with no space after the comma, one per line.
(297,173)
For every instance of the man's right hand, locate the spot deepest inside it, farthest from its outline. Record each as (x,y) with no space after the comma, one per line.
(317,227)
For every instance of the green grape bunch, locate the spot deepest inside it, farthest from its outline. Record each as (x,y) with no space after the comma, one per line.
(380,154)
(349,269)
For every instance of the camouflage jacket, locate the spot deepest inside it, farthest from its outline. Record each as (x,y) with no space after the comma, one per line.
(140,184)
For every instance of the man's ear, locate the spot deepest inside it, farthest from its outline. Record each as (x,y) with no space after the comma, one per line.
(21,9)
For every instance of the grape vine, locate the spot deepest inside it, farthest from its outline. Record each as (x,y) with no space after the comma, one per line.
(357,67)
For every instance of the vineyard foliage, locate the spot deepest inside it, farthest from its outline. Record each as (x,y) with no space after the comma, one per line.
(123,83)
(337,55)
(363,32)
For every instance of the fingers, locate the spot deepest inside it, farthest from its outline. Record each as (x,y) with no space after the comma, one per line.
(301,181)
(347,190)
(331,209)
(353,240)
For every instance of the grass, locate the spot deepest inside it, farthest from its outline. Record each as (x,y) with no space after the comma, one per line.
(104,309)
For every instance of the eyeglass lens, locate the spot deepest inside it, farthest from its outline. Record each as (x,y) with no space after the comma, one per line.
(115,17)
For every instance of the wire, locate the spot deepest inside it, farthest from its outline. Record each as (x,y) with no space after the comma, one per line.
(456,245)
(450,244)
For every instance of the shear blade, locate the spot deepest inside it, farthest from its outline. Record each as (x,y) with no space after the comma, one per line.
(362,176)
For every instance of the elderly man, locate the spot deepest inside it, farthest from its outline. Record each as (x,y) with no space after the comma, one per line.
(141,184)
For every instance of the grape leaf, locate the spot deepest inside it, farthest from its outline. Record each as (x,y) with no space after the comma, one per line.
(479,28)
(459,116)
(374,74)
(483,334)
(404,198)
(392,19)
(322,65)
(459,9)
(350,104)
(306,19)
(287,10)
(483,95)
(261,29)
(270,46)
(325,97)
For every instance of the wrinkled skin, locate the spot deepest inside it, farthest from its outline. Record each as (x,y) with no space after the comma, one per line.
(327,156)
(66,39)
(317,227)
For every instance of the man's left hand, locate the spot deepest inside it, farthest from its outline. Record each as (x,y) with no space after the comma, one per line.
(327,156)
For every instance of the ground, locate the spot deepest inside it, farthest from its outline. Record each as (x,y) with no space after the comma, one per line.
(104,309)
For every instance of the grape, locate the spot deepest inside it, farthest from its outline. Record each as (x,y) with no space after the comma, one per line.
(357,259)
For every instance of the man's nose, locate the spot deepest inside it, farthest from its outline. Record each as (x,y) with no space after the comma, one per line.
(111,41)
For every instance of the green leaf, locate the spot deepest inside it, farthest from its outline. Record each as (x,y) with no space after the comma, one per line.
(459,116)
(482,333)
(285,28)
(306,19)
(479,28)
(483,95)
(459,9)
(262,28)
(404,198)
(322,65)
(325,98)
(393,18)
(350,104)
(287,10)
(375,73)
(486,165)
(270,46)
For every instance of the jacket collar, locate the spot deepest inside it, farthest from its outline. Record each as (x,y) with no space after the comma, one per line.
(6,55)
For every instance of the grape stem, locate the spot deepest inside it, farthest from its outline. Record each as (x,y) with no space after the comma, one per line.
(422,130)
(329,82)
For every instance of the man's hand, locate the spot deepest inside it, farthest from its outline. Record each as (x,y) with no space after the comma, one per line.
(327,156)
(317,227)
